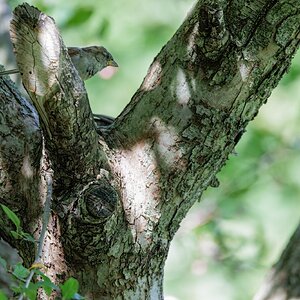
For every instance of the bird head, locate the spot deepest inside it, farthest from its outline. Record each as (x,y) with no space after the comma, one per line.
(102,56)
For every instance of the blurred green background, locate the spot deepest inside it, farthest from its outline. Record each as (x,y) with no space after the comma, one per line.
(230,239)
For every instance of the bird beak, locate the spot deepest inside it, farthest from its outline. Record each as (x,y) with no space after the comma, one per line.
(112,63)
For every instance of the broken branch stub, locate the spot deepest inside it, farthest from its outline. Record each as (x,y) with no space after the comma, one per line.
(37,46)
(38,67)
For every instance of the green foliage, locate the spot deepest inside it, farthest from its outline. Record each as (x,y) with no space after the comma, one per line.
(12,216)
(46,283)
(2,296)
(19,233)
(3,263)
(69,289)
(155,33)
(104,27)
(19,274)
(79,16)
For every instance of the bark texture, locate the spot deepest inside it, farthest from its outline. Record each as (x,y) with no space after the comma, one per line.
(120,197)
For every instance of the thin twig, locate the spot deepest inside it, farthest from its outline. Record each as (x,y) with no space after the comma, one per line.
(45,221)
(46,216)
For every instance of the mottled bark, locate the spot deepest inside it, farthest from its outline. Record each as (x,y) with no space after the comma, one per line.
(120,197)
(20,155)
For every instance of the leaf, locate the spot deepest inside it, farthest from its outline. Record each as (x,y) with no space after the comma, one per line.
(31,291)
(22,235)
(2,296)
(46,284)
(20,271)
(79,16)
(27,237)
(15,234)
(104,28)
(3,263)
(17,289)
(155,33)
(12,216)
(69,288)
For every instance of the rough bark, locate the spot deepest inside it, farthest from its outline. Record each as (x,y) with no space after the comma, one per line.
(282,282)
(120,197)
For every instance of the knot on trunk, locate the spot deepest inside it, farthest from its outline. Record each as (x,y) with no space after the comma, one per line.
(100,199)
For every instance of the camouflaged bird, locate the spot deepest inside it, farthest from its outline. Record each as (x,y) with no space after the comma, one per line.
(88,61)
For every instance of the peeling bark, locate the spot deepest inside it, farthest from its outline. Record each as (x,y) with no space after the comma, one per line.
(120,197)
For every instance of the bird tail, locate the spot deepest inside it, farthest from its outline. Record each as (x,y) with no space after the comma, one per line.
(42,114)
(7,72)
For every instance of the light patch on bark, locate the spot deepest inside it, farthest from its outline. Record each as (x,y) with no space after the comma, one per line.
(182,88)
(244,71)
(143,285)
(167,144)
(193,38)
(53,251)
(153,77)
(140,176)
(155,289)
(26,169)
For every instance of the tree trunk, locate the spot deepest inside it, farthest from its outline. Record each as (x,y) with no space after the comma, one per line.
(119,197)
(282,282)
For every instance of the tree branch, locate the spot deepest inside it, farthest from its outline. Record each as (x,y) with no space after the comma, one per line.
(193,106)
